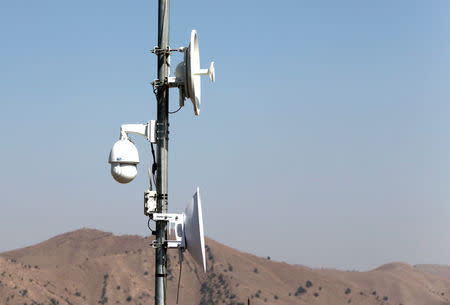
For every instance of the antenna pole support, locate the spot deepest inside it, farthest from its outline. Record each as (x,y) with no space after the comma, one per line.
(162,148)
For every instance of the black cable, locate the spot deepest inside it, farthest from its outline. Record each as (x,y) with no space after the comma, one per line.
(155,90)
(150,178)
(165,257)
(154,181)
(172,112)
(179,276)
(148,225)
(154,165)
(154,158)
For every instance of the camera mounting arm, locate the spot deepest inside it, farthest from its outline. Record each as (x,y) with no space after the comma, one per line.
(147,130)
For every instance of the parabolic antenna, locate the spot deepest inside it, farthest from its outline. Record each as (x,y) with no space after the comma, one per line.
(193,72)
(193,230)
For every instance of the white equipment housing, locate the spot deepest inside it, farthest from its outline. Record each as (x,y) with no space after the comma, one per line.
(186,230)
(149,202)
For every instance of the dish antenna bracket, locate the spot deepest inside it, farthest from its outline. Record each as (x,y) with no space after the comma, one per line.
(185,230)
(187,73)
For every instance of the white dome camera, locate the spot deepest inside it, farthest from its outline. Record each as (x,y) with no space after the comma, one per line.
(124,158)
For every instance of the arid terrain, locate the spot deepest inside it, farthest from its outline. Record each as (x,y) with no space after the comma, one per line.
(93,267)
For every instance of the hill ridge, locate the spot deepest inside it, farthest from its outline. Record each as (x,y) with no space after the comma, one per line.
(89,266)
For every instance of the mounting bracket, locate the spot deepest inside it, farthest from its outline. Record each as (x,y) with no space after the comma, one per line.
(175,228)
(147,130)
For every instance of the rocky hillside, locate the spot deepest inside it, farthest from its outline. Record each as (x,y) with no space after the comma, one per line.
(93,267)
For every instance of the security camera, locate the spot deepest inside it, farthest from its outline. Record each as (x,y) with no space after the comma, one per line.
(124,158)
(124,155)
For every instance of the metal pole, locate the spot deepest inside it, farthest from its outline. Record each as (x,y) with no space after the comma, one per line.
(162,130)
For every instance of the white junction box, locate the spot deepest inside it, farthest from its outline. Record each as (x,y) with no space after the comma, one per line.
(149,202)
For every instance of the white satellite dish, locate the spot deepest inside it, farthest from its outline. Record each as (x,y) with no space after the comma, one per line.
(192,88)
(194,237)
(185,231)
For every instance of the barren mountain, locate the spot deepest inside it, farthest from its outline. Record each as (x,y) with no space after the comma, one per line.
(443,271)
(93,267)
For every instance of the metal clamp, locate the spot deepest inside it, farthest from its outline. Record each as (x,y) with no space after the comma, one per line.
(161,130)
(162,196)
(156,84)
(155,244)
(158,51)
(171,82)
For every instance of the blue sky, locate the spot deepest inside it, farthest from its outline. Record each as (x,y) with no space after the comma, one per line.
(323,142)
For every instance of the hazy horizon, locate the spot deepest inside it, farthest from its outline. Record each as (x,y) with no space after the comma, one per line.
(323,142)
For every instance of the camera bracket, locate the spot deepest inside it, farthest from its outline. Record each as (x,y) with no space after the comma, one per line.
(147,130)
